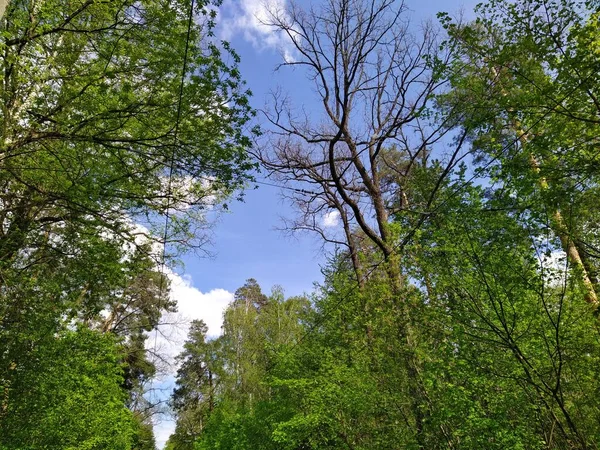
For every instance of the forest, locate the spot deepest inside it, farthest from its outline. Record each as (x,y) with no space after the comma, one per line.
(459,307)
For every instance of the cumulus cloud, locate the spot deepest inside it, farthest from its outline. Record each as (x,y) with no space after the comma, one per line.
(192,304)
(167,342)
(331,219)
(250,19)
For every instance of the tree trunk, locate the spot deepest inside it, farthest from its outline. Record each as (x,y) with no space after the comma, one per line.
(409,359)
(561,229)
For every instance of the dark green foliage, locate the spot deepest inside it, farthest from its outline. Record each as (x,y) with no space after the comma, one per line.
(143,437)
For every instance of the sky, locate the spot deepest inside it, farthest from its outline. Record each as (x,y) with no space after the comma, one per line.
(246,241)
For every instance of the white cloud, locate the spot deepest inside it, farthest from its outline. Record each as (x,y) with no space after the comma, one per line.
(192,304)
(250,19)
(331,219)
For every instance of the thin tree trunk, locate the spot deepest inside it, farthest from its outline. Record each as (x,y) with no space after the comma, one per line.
(561,229)
(558,224)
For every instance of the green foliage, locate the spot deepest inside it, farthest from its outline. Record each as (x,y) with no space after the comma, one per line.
(93,121)
(66,395)
(223,399)
(143,437)
(111,114)
(476,329)
(480,331)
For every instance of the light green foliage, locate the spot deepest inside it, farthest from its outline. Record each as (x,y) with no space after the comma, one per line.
(463,332)
(526,81)
(92,121)
(507,360)
(510,341)
(223,395)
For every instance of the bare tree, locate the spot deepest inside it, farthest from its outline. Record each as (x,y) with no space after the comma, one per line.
(376,84)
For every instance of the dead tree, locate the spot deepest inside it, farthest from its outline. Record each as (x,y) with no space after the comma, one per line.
(355,155)
(375,83)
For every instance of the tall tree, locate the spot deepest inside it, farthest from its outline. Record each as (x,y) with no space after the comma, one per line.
(376,125)
(375,81)
(527,79)
(111,114)
(194,397)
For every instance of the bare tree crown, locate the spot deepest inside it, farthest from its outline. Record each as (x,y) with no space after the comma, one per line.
(375,84)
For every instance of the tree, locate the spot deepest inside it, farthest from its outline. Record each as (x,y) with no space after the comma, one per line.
(527,88)
(376,85)
(527,77)
(112,114)
(194,397)
(104,105)
(143,438)
(223,398)
(340,387)
(250,296)
(375,82)
(509,331)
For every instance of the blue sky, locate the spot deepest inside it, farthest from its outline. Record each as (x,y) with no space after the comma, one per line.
(246,242)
